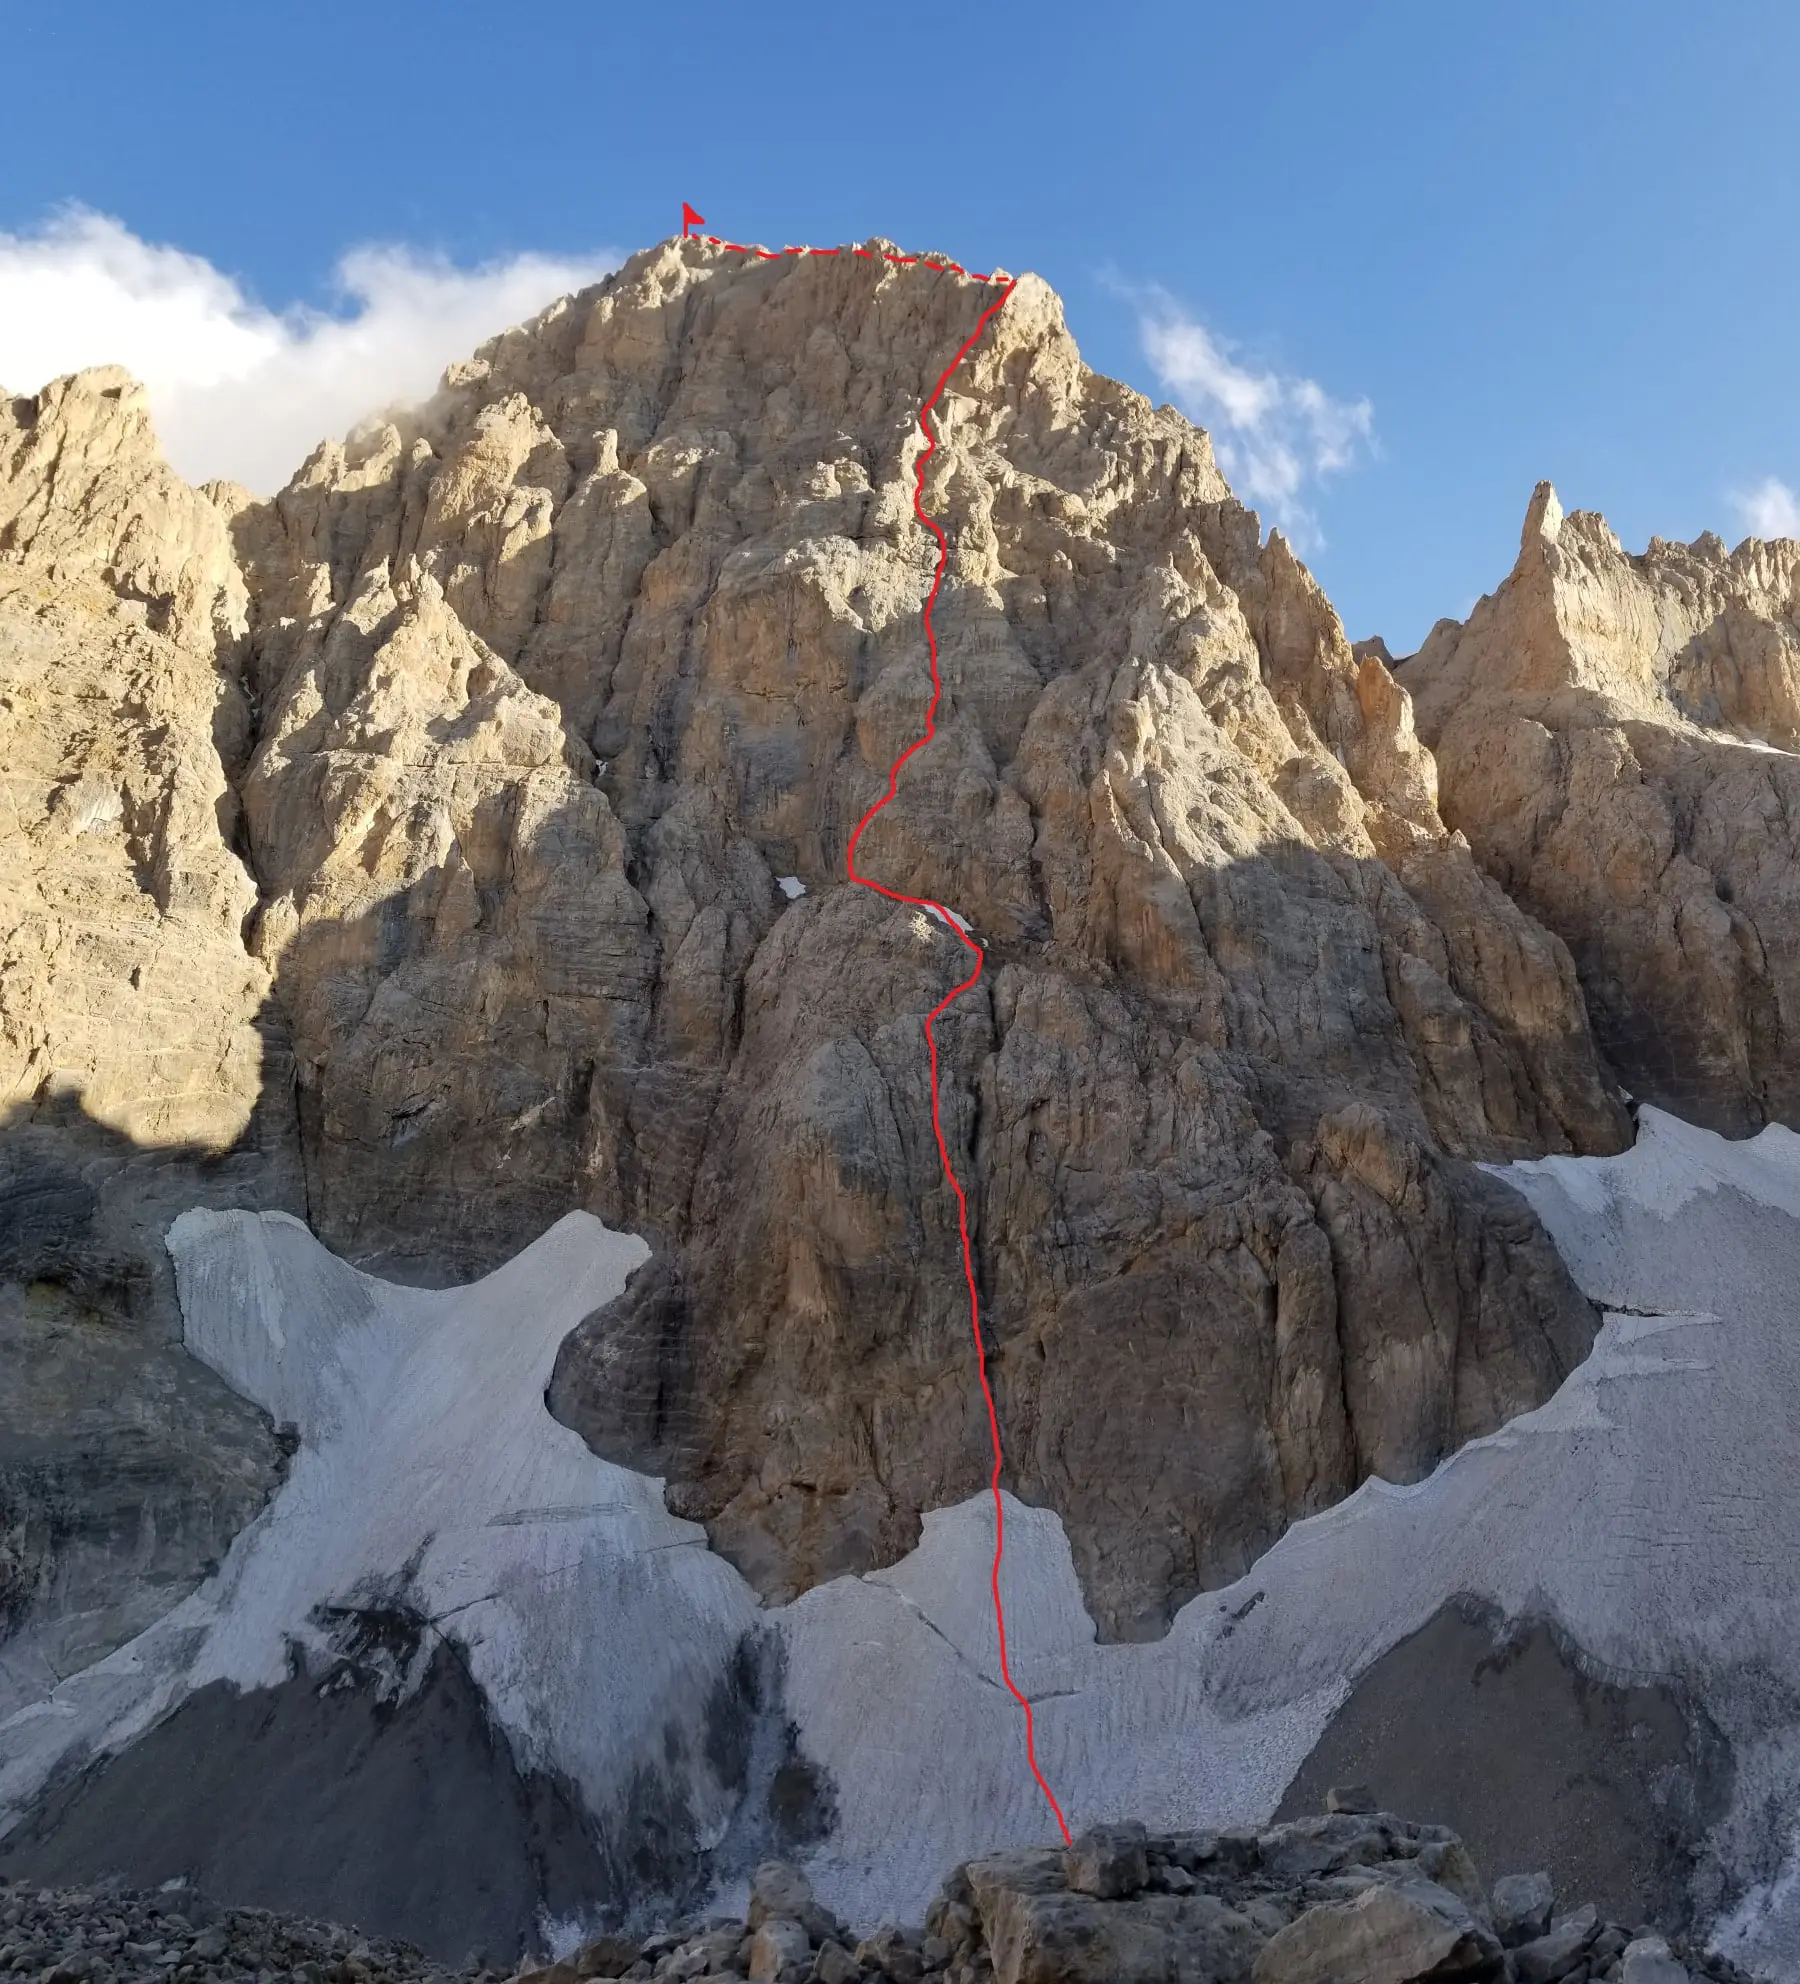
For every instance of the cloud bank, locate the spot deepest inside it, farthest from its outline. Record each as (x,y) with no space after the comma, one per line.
(238,390)
(1771,509)
(1276,435)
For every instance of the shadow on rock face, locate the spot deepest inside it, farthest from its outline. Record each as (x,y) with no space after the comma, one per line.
(1499,1732)
(126,1465)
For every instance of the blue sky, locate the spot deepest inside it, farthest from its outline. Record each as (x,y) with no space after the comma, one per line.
(1537,240)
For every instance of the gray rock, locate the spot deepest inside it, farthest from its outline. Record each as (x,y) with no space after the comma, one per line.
(1108,1862)
(1649,1961)
(1447,1862)
(605,1956)
(1522,1906)
(1547,1957)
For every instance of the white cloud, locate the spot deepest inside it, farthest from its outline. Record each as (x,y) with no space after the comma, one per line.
(239,390)
(1274,434)
(1771,509)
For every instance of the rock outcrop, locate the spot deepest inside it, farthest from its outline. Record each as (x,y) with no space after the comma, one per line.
(559,679)
(540,720)
(1354,1897)
(133,1051)
(1350,1898)
(1617,737)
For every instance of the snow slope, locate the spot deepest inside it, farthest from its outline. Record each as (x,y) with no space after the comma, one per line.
(429,1472)
(1651,1509)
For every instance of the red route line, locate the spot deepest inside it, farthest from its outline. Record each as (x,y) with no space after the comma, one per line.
(925,902)
(949,999)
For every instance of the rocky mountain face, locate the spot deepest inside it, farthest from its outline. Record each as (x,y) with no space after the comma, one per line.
(466,827)
(1617,737)
(134,1057)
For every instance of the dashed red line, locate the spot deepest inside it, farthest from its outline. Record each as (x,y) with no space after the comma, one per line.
(943,1005)
(868,255)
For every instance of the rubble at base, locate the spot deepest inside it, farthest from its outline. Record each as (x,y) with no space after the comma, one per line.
(113,1935)
(1352,1897)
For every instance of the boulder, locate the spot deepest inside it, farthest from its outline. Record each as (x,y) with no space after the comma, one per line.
(1107,1862)
(1648,1960)
(1545,1958)
(1390,1934)
(780,1948)
(1522,1905)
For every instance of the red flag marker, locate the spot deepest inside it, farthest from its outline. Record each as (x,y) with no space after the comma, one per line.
(690,219)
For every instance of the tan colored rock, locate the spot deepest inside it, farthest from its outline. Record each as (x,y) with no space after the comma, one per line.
(1616,736)
(559,675)
(125,981)
(1401,1933)
(139,1070)
(546,685)
(86,494)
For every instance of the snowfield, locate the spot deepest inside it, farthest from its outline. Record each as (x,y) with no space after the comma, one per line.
(1651,1510)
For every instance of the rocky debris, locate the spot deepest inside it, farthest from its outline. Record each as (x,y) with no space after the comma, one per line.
(1343,1899)
(1350,1898)
(1617,737)
(1401,1929)
(112,1935)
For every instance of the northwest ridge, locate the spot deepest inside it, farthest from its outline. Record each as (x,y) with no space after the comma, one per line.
(421,880)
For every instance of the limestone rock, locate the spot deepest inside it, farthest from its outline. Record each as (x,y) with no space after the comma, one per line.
(85,496)
(778,1889)
(1107,1862)
(1616,736)
(1547,1957)
(834,1965)
(546,694)
(1395,1934)
(777,1949)
(140,1069)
